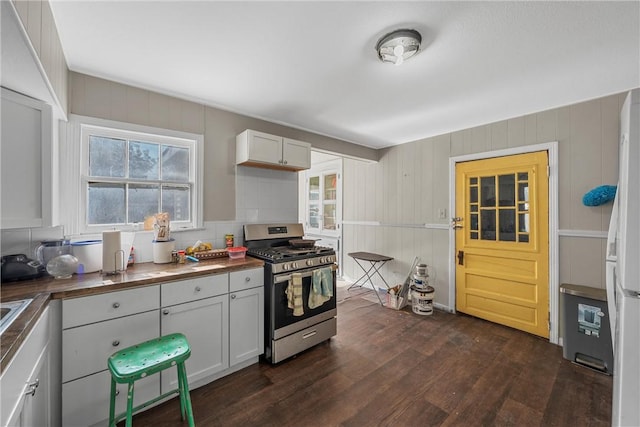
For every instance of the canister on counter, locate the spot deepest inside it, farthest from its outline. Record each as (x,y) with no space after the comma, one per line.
(182,257)
(229,240)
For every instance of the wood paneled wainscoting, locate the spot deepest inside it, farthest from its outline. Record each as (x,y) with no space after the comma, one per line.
(396,368)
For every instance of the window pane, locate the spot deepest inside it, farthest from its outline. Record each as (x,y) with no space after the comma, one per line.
(106,204)
(508,225)
(488,191)
(143,202)
(524,238)
(473,181)
(474,235)
(488,224)
(175,201)
(474,208)
(175,164)
(143,160)
(507,190)
(523,176)
(106,156)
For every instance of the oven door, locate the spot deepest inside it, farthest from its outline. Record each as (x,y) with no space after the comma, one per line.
(283,318)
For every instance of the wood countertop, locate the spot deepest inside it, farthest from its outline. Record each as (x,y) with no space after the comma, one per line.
(146,274)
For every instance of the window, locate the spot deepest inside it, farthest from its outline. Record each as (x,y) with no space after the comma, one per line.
(128,175)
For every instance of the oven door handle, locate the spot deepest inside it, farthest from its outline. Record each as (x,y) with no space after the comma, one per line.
(307,273)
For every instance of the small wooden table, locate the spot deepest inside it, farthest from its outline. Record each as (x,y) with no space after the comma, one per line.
(376,262)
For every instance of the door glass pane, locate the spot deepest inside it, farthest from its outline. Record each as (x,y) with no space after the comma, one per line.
(488,224)
(507,225)
(488,191)
(474,208)
(143,160)
(524,238)
(143,202)
(107,157)
(523,222)
(330,186)
(523,176)
(523,192)
(474,235)
(314,188)
(474,222)
(314,216)
(473,196)
(329,217)
(106,204)
(473,181)
(507,190)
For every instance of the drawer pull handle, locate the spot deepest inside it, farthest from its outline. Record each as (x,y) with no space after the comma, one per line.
(309,334)
(233,296)
(165,311)
(31,388)
(198,289)
(115,343)
(247,279)
(116,305)
(117,391)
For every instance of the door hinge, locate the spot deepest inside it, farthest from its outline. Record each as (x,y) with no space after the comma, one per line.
(549,321)
(548,171)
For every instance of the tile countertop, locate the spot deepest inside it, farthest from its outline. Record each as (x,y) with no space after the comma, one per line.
(44,289)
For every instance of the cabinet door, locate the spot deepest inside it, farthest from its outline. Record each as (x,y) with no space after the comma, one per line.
(246,320)
(37,400)
(296,154)
(85,401)
(25,145)
(205,323)
(265,148)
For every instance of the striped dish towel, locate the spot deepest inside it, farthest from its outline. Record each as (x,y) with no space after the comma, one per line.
(294,294)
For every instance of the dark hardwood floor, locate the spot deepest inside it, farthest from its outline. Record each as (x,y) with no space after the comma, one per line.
(395,368)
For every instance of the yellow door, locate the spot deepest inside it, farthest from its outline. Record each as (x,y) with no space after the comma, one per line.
(502,241)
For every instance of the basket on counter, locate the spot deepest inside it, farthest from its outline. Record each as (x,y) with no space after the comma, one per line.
(210,254)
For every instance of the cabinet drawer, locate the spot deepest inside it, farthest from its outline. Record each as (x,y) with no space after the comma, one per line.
(85,401)
(85,349)
(246,279)
(96,308)
(194,289)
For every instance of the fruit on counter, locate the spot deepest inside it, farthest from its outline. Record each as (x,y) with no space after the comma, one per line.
(206,246)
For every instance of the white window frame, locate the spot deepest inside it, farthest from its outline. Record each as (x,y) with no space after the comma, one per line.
(87,126)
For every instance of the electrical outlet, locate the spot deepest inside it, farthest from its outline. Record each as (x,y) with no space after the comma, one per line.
(442,213)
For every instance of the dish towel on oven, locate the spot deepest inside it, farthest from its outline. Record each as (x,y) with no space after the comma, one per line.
(294,294)
(321,287)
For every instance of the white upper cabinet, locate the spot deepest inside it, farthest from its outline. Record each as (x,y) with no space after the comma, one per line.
(260,149)
(25,149)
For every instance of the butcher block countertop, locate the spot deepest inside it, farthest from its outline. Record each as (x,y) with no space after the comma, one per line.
(44,289)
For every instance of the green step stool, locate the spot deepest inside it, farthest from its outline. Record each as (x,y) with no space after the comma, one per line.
(136,362)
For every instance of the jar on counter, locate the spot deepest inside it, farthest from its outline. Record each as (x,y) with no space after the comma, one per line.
(182,257)
(228,238)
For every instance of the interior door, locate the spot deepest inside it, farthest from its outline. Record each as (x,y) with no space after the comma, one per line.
(502,241)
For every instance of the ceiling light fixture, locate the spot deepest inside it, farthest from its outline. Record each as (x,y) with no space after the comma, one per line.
(398,46)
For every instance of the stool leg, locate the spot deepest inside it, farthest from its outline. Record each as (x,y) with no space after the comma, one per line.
(112,404)
(129,422)
(182,378)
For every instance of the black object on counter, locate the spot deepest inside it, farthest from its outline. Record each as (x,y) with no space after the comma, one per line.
(19,267)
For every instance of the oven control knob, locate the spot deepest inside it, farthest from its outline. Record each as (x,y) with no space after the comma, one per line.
(323,260)
(309,262)
(294,264)
(285,266)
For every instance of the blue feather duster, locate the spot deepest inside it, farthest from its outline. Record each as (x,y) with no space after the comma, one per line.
(599,195)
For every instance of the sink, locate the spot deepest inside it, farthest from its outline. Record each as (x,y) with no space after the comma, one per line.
(10,310)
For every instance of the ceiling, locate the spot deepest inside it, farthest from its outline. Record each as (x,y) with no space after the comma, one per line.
(312,64)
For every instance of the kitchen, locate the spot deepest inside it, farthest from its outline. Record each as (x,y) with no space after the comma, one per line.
(392,196)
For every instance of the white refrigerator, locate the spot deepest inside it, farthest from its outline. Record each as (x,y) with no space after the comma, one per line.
(623,270)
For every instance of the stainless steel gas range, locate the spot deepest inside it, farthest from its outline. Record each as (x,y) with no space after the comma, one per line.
(289,331)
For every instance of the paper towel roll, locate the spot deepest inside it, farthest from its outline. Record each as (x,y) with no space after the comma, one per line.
(112,258)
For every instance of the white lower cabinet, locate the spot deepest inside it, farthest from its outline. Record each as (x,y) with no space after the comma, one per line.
(205,324)
(222,316)
(86,400)
(246,315)
(25,386)
(95,327)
